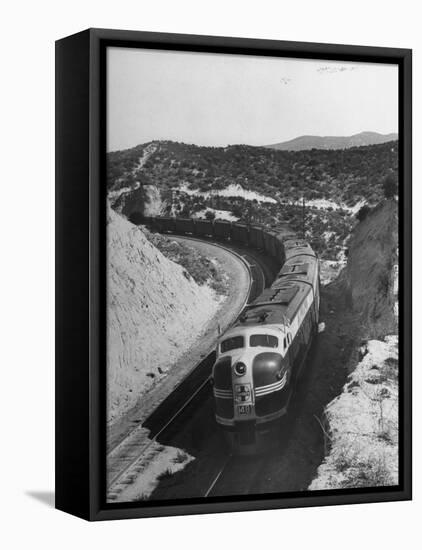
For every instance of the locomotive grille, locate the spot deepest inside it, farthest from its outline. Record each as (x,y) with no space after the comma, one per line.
(223,391)
(270,403)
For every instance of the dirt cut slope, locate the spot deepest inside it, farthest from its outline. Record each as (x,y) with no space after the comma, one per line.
(369,276)
(155,311)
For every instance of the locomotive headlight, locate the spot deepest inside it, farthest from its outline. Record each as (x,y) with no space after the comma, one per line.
(240,369)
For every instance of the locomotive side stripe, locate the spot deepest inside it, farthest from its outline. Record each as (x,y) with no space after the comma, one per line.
(223,395)
(275,387)
(268,392)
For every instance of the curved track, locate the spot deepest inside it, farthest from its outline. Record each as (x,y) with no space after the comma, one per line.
(193,394)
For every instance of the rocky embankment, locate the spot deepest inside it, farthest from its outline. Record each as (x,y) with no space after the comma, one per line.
(155,311)
(361,424)
(369,276)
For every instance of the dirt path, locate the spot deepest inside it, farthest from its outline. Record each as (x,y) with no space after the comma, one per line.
(238,281)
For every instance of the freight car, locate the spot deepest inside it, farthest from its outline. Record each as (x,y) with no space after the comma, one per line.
(204,228)
(256,237)
(184,226)
(240,233)
(222,230)
(165,225)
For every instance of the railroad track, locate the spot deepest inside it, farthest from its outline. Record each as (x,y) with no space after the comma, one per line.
(126,458)
(235,476)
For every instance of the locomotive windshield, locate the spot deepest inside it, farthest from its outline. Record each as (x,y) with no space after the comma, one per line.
(232,343)
(264,340)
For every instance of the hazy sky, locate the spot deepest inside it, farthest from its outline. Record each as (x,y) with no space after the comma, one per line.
(216,99)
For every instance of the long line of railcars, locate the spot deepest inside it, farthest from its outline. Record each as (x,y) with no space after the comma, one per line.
(260,358)
(245,234)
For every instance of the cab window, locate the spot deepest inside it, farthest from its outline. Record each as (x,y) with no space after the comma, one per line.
(232,343)
(264,340)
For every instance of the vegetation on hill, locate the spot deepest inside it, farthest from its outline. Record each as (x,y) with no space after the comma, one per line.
(343,176)
(333,183)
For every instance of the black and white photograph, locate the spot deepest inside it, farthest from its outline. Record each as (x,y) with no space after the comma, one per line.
(252,275)
(210,213)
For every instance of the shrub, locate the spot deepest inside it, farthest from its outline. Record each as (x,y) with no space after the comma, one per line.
(210,215)
(363,212)
(370,473)
(390,186)
(165,475)
(180,458)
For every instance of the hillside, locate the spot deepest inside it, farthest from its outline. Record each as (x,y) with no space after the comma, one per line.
(254,185)
(155,313)
(343,177)
(369,276)
(361,423)
(333,142)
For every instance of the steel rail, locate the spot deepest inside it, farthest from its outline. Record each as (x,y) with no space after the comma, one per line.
(218,476)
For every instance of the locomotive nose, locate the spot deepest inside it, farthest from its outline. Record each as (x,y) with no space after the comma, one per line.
(268,368)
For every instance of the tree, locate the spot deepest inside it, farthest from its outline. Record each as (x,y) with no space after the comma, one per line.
(237,211)
(185,212)
(210,215)
(390,186)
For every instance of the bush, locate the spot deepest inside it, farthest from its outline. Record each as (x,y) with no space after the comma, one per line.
(363,212)
(180,458)
(390,186)
(210,215)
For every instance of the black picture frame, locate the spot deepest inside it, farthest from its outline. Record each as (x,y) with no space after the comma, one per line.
(80,271)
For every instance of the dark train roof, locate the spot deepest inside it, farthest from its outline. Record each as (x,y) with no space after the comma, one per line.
(296,247)
(275,305)
(279,304)
(300,267)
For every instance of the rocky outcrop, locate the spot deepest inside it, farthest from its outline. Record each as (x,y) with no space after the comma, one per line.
(145,200)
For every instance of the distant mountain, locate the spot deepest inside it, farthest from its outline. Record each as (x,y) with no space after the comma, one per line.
(333,142)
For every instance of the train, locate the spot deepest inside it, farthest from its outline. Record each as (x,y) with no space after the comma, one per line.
(260,358)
